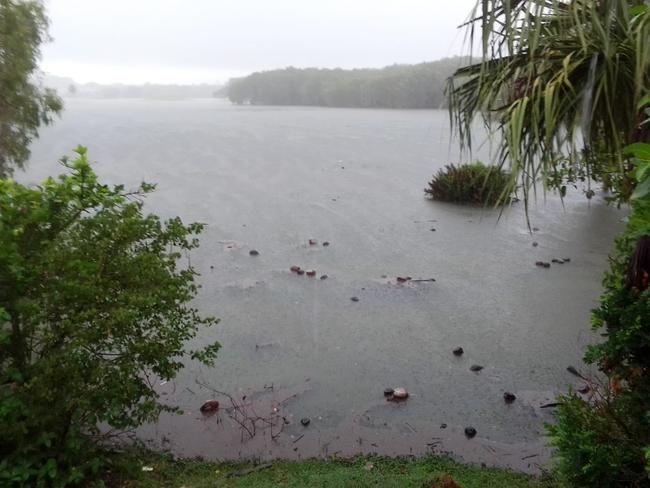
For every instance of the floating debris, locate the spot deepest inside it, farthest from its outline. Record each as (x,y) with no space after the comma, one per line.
(458,351)
(575,372)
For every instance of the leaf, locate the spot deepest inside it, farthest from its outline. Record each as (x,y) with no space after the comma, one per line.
(642,191)
(639,150)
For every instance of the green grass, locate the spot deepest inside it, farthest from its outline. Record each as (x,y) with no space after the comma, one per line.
(358,472)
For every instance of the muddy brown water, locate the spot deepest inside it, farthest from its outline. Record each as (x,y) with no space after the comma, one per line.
(296,347)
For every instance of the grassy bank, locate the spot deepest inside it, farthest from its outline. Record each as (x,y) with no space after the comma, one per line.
(359,472)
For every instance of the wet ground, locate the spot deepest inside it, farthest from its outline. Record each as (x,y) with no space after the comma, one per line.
(271,179)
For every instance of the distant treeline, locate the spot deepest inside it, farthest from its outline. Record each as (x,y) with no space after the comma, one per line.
(398,86)
(68,88)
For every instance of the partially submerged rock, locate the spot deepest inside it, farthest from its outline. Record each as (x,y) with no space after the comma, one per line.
(305,421)
(458,351)
(254,252)
(476,368)
(311,273)
(509,397)
(210,407)
(470,432)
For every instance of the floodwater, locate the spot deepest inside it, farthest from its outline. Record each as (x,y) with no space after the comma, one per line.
(296,347)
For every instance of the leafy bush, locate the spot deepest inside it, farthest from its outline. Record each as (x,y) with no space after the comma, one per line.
(470,183)
(605,442)
(93,312)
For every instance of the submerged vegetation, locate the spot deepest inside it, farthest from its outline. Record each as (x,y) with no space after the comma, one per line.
(470,183)
(398,86)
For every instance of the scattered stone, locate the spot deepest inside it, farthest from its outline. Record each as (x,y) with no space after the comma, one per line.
(535,244)
(311,273)
(254,252)
(584,389)
(476,368)
(313,242)
(458,351)
(400,394)
(509,397)
(324,277)
(301,272)
(470,432)
(433,230)
(305,421)
(566,260)
(355,299)
(388,392)
(325,244)
(539,263)
(558,261)
(547,265)
(295,269)
(443,426)
(211,406)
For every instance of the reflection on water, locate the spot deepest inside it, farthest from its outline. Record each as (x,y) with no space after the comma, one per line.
(272,179)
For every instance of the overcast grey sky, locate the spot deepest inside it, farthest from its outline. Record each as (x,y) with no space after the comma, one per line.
(194,41)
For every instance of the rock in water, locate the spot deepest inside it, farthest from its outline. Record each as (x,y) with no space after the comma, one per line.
(305,421)
(400,394)
(295,269)
(324,277)
(211,406)
(355,299)
(311,273)
(470,432)
(509,397)
(476,368)
(388,392)
(254,252)
(458,351)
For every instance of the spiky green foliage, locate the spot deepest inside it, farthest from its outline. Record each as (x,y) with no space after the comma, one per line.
(469,183)
(560,83)
(24,104)
(94,308)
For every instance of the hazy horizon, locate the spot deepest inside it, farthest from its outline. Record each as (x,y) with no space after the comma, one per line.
(174,42)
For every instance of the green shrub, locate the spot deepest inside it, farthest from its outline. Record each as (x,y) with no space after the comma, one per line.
(471,183)
(605,442)
(93,313)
